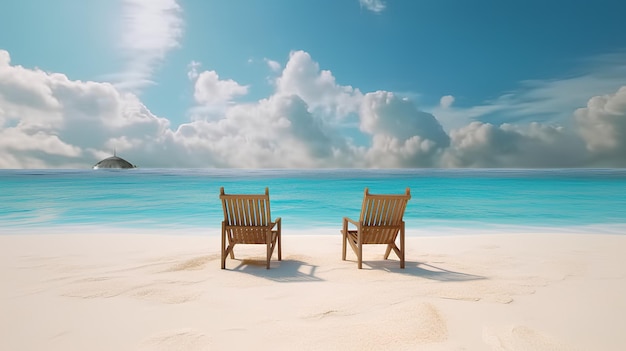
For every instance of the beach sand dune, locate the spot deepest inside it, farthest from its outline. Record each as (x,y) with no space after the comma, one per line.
(166,292)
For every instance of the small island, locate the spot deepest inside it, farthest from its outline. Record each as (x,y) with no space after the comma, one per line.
(113,162)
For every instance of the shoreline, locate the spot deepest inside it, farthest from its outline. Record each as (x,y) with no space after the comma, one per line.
(124,291)
(412,230)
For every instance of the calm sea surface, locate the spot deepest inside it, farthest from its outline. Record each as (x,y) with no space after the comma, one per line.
(312,200)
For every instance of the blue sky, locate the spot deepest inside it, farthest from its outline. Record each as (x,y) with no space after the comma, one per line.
(324,83)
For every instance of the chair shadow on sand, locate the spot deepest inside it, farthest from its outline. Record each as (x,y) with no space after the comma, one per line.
(422,270)
(287,271)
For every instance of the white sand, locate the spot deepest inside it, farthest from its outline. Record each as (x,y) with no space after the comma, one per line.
(155,292)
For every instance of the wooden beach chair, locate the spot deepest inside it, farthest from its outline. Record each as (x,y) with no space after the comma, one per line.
(380,222)
(247,220)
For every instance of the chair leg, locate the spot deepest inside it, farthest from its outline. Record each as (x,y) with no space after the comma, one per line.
(269,241)
(402,248)
(360,247)
(280,250)
(389,247)
(269,254)
(232,249)
(223,247)
(343,252)
(345,239)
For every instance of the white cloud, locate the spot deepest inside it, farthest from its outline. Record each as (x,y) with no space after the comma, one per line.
(5,58)
(376,6)
(47,120)
(273,65)
(210,90)
(149,30)
(548,101)
(302,76)
(56,122)
(51,121)
(446,101)
(602,125)
(536,145)
(401,134)
(274,132)
(192,72)
(383,112)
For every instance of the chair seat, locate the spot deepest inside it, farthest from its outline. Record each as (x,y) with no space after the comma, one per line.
(252,237)
(375,237)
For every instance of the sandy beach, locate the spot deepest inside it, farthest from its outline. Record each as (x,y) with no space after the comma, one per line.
(523,291)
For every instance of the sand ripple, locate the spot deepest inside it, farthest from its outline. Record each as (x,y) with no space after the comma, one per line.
(185,339)
(521,338)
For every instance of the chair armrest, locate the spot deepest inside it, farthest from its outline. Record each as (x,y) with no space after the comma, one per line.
(277,222)
(348,220)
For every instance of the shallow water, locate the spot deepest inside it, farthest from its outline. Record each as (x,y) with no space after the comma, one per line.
(312,200)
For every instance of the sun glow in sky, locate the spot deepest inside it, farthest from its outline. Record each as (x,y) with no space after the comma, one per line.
(313,83)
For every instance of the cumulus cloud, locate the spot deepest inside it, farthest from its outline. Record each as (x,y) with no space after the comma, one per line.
(5,58)
(51,121)
(385,113)
(376,6)
(509,146)
(211,90)
(274,132)
(402,135)
(192,72)
(602,125)
(48,121)
(446,101)
(273,65)
(150,29)
(55,122)
(318,88)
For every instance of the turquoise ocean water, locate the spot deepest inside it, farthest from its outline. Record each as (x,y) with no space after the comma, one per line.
(312,201)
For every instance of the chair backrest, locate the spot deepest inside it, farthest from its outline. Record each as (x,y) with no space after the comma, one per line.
(246,210)
(383,210)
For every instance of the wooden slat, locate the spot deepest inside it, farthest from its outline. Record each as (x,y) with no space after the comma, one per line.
(262,216)
(257,212)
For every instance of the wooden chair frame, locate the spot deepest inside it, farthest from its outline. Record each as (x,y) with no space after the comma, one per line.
(247,220)
(381,222)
